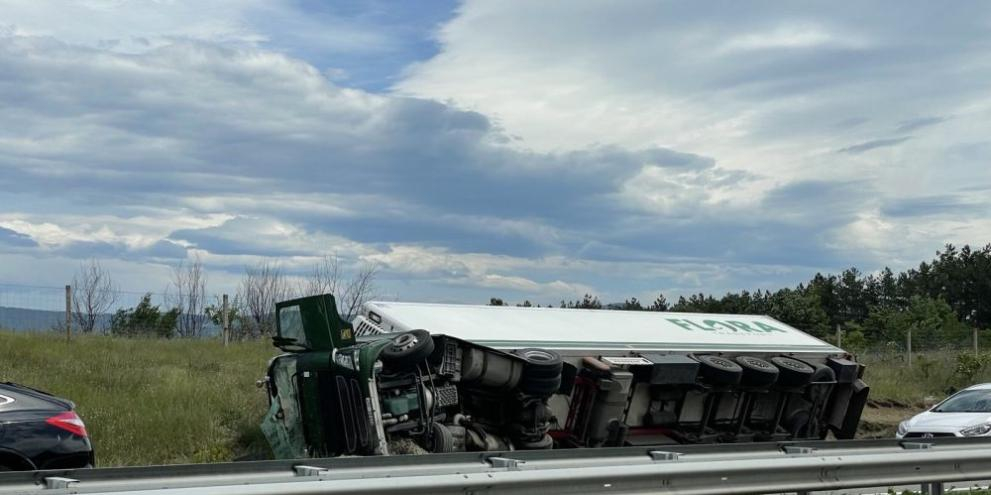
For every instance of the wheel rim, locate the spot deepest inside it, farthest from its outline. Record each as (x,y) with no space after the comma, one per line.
(404,342)
(541,356)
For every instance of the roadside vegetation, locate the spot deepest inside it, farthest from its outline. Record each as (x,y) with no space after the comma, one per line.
(150,401)
(149,396)
(169,401)
(899,391)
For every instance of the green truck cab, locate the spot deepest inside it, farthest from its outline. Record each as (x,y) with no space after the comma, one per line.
(325,392)
(496,378)
(317,389)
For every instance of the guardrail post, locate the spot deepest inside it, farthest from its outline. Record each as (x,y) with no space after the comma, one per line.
(935,488)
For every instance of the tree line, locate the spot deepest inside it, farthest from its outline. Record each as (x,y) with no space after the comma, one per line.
(941,302)
(187,309)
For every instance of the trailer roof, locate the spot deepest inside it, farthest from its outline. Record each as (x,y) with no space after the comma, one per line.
(558,328)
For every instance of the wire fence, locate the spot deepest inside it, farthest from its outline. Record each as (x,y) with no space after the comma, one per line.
(46,308)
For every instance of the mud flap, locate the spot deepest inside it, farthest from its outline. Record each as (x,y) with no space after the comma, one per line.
(846,406)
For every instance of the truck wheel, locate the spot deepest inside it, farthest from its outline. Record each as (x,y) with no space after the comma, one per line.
(407,349)
(544,443)
(540,363)
(540,386)
(719,370)
(823,373)
(443,439)
(792,372)
(756,372)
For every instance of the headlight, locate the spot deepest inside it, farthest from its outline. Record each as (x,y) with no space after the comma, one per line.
(977,430)
(903,427)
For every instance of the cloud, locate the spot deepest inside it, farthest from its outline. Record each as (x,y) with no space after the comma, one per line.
(874,144)
(14,238)
(941,204)
(918,123)
(643,147)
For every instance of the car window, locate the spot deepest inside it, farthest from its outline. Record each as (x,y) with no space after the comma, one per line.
(291,324)
(967,401)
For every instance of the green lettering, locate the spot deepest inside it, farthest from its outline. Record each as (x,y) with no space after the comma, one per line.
(707,329)
(717,323)
(741,325)
(768,328)
(680,323)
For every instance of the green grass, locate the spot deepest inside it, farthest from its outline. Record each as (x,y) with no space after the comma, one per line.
(932,377)
(150,401)
(180,401)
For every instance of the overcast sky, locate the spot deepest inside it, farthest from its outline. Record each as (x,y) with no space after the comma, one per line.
(516,149)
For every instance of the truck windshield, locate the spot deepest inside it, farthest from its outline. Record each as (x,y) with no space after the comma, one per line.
(291,325)
(967,401)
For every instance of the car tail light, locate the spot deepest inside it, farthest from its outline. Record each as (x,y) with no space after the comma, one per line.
(68,421)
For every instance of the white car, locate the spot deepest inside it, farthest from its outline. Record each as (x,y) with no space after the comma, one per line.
(966,413)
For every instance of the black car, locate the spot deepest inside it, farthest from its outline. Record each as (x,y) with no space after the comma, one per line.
(40,431)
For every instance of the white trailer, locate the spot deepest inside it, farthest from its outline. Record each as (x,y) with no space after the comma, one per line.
(640,377)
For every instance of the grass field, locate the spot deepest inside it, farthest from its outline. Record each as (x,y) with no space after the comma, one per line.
(150,401)
(181,401)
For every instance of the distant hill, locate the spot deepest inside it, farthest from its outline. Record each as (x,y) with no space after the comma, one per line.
(40,320)
(31,319)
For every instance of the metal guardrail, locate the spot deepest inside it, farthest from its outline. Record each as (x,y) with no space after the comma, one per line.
(685,469)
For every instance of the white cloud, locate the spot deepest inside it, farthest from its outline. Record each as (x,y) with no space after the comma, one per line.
(548,150)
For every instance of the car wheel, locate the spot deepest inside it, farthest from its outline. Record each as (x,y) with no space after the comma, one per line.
(719,370)
(408,349)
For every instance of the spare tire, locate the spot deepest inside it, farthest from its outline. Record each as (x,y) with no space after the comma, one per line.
(792,372)
(756,372)
(407,349)
(540,363)
(718,370)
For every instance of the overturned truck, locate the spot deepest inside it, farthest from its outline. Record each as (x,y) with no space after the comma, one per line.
(416,378)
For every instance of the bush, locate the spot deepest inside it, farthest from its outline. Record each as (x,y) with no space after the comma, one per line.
(144,320)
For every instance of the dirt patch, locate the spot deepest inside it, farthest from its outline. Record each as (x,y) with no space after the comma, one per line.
(880,418)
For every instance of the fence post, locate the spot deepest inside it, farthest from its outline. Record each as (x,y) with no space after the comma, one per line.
(908,346)
(224,321)
(68,312)
(976,348)
(839,335)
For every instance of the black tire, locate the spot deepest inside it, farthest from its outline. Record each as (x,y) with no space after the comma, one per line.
(823,373)
(443,439)
(407,349)
(718,370)
(540,386)
(792,372)
(540,363)
(757,372)
(544,443)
